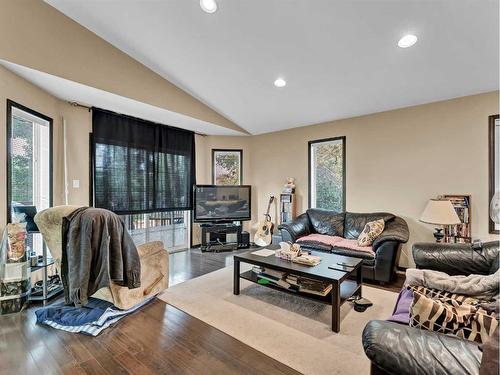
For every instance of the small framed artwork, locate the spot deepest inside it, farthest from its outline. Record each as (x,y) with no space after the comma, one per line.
(227,167)
(494,183)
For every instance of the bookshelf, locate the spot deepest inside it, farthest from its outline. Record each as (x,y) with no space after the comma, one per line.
(288,208)
(459,233)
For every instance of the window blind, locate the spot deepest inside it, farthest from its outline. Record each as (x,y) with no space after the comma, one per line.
(140,166)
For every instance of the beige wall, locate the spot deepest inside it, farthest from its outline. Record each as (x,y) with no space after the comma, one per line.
(396,160)
(204,146)
(22,92)
(78,125)
(36,35)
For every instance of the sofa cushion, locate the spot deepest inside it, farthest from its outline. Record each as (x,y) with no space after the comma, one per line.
(354,223)
(368,258)
(322,239)
(336,245)
(327,221)
(352,245)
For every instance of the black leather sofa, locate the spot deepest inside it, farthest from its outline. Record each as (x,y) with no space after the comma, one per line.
(378,267)
(403,350)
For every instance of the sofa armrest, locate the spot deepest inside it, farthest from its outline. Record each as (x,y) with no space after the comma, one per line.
(395,230)
(386,256)
(49,222)
(403,350)
(300,227)
(456,259)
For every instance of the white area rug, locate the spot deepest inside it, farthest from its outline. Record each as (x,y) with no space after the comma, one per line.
(290,329)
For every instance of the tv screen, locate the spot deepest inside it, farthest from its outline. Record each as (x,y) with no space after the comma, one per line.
(214,203)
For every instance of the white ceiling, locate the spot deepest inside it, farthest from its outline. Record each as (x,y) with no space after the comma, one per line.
(76,92)
(340,57)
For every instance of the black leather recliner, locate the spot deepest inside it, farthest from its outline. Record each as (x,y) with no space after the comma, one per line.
(403,350)
(378,267)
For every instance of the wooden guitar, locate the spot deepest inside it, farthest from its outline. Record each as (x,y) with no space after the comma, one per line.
(264,234)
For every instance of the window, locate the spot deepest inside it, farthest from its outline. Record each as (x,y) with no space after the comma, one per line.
(140,167)
(327,174)
(144,172)
(29,137)
(29,166)
(172,228)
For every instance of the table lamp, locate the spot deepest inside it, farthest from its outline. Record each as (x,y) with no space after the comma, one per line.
(439,212)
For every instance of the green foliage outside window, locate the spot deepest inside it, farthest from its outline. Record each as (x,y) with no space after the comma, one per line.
(22,161)
(329,175)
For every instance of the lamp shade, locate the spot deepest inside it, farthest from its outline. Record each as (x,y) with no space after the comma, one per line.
(441,212)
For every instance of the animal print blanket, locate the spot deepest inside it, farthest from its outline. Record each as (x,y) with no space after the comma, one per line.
(451,313)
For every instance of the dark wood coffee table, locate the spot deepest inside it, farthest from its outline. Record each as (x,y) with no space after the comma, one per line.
(344,284)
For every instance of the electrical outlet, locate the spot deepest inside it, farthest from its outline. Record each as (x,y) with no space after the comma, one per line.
(76,184)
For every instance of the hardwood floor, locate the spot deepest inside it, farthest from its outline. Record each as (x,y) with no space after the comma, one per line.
(158,339)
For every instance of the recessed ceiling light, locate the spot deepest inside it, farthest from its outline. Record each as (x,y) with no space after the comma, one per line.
(407,41)
(209,6)
(280,82)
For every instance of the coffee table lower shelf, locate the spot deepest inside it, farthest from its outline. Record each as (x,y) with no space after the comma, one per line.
(347,289)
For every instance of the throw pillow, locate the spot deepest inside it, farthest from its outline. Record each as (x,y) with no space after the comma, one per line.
(372,230)
(451,314)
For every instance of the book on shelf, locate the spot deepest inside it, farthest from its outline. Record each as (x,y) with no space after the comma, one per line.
(293,282)
(322,292)
(310,286)
(459,233)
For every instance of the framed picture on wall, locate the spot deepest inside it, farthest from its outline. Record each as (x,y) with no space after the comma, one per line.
(227,167)
(494,183)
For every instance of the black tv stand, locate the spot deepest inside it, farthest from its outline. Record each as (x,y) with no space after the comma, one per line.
(220,236)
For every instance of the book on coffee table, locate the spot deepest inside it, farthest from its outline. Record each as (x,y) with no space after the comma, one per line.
(308,260)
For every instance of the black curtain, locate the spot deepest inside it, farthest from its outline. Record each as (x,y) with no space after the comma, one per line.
(140,166)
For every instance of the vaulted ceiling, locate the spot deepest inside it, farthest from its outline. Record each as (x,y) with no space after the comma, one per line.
(339,58)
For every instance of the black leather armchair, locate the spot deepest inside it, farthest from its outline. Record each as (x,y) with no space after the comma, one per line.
(398,349)
(377,267)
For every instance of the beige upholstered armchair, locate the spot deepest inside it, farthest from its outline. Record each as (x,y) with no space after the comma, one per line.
(154,261)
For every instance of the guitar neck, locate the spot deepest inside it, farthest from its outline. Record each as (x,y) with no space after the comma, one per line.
(269,206)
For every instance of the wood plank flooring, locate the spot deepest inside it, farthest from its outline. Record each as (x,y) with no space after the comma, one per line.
(158,339)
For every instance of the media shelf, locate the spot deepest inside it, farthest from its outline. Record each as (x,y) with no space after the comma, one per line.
(459,233)
(288,207)
(220,237)
(347,289)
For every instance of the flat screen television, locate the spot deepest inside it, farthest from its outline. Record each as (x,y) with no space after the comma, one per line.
(222,203)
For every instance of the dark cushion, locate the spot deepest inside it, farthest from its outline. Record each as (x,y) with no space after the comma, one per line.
(403,350)
(354,223)
(490,360)
(353,253)
(457,258)
(315,245)
(326,221)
